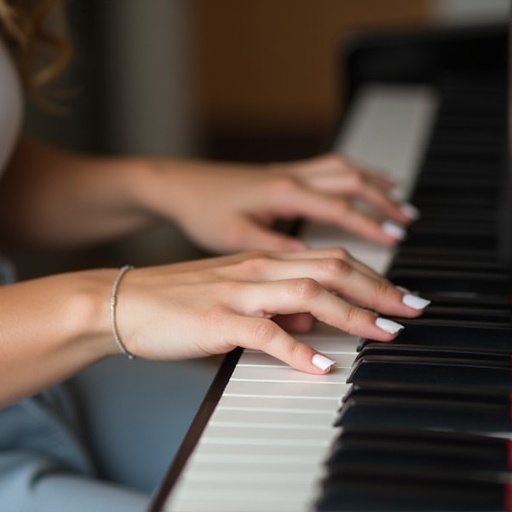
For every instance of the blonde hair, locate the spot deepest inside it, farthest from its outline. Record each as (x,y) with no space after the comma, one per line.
(36,34)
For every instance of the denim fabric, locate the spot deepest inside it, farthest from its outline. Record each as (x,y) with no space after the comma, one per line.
(45,464)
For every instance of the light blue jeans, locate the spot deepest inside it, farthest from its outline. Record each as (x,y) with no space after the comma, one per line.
(104,441)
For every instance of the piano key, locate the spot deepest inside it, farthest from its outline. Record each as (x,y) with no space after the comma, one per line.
(283,389)
(494,448)
(377,490)
(460,336)
(268,403)
(386,456)
(427,413)
(369,348)
(433,391)
(493,363)
(432,373)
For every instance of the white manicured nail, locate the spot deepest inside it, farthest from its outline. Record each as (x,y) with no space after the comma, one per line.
(321,362)
(393,230)
(415,302)
(388,325)
(411,211)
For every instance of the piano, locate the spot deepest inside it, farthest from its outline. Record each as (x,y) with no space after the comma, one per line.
(423,423)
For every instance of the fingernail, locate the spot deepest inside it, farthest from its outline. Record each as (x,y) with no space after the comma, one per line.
(322,363)
(411,211)
(402,289)
(393,230)
(388,325)
(415,302)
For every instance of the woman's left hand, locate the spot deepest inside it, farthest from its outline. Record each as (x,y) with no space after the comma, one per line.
(232,207)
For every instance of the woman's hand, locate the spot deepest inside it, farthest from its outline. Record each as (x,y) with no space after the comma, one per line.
(232,207)
(210,306)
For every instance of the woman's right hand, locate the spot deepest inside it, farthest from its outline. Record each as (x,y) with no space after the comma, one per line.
(211,306)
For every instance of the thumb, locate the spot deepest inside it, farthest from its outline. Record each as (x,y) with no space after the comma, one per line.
(254,236)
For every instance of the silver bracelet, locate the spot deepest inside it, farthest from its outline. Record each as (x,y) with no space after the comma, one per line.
(113,304)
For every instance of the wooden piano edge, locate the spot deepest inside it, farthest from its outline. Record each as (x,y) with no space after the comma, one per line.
(196,429)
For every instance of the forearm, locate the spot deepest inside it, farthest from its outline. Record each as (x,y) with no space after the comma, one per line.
(51,328)
(54,198)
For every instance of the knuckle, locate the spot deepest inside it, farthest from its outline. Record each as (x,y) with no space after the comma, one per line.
(381,291)
(337,267)
(305,288)
(340,253)
(354,318)
(356,181)
(341,208)
(214,316)
(254,263)
(297,351)
(263,333)
(282,186)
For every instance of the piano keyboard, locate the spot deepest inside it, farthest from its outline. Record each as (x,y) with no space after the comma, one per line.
(263,448)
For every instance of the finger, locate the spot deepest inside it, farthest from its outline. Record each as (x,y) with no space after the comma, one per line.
(338,164)
(359,185)
(334,275)
(374,196)
(329,252)
(305,295)
(337,212)
(263,334)
(249,235)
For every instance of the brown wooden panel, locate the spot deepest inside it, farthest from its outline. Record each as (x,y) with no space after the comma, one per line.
(270,64)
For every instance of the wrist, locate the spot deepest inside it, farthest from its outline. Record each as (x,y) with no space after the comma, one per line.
(90,309)
(149,190)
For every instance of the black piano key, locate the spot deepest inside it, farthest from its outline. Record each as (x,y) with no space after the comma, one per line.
(496,303)
(379,491)
(403,456)
(370,347)
(493,316)
(478,283)
(481,377)
(466,336)
(421,351)
(485,447)
(496,364)
(422,391)
(428,414)
(448,253)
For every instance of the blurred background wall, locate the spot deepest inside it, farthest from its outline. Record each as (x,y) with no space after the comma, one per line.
(255,80)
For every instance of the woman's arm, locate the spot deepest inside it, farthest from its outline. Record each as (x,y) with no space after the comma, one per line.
(55,198)
(55,326)
(51,328)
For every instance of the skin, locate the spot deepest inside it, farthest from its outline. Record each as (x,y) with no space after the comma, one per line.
(57,325)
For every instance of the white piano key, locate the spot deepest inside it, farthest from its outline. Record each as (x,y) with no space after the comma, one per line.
(287,374)
(288,389)
(236,500)
(275,434)
(327,347)
(244,453)
(272,418)
(279,403)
